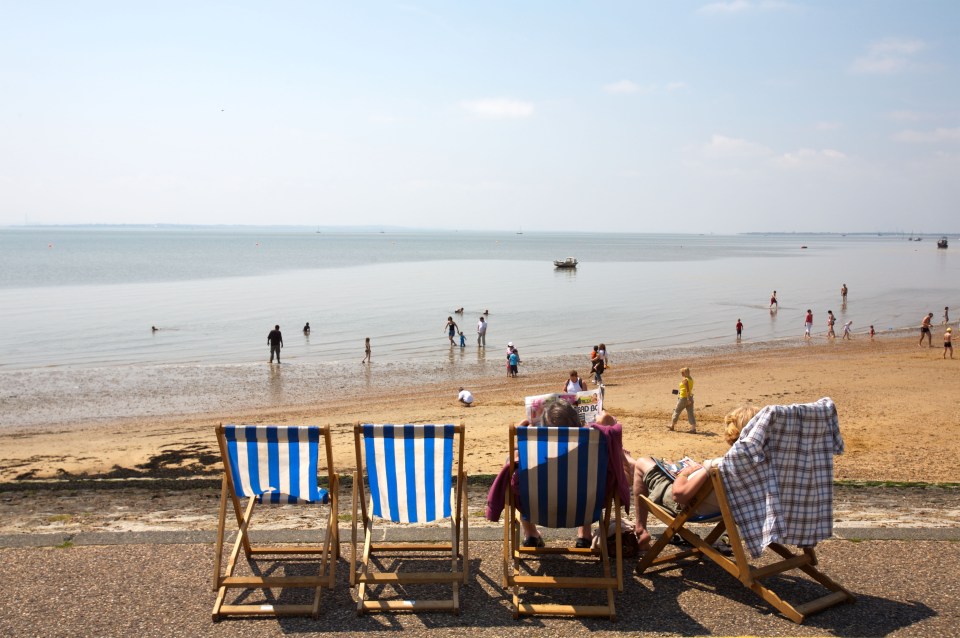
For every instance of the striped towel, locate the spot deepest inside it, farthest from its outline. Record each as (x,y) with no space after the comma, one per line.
(276,463)
(409,471)
(563,475)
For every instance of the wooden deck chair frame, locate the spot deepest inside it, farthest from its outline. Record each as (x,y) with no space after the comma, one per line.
(328,549)
(514,554)
(738,565)
(361,574)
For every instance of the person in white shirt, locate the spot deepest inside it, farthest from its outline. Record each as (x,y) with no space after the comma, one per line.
(465,397)
(482,333)
(574,383)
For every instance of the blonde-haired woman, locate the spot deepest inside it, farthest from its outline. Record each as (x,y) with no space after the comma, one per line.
(685,401)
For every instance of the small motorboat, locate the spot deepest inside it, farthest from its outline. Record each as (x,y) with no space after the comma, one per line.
(942,243)
(569,262)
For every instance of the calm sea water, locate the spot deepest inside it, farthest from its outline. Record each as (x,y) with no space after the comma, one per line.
(88,297)
(78,304)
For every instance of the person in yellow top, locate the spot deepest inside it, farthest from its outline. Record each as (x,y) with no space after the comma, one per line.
(685,401)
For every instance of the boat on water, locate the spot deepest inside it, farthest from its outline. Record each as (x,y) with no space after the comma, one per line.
(569,262)
(942,243)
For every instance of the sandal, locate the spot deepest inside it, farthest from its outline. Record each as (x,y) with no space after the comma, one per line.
(533,541)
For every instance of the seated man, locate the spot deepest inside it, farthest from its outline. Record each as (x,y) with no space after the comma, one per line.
(673,493)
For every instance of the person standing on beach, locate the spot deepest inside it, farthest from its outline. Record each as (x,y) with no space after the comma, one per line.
(872,333)
(482,333)
(685,401)
(514,360)
(925,330)
(846,330)
(275,339)
(948,342)
(367,357)
(843,294)
(807,324)
(452,328)
(574,383)
(946,315)
(463,341)
(773,301)
(830,321)
(739,329)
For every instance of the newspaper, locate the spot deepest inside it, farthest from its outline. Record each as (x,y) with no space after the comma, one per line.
(588,404)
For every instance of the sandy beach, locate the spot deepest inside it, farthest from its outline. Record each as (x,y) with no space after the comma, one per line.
(897,415)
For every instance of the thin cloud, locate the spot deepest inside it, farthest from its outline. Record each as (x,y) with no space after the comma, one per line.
(888,56)
(743,6)
(676,86)
(498,108)
(935,136)
(827,126)
(623,87)
(723,147)
(906,116)
(810,158)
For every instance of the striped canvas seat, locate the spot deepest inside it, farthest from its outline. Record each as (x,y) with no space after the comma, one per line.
(273,464)
(266,462)
(411,471)
(561,481)
(563,473)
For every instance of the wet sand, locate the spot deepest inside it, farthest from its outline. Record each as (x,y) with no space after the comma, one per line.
(895,400)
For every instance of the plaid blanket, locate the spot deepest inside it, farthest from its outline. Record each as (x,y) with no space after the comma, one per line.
(778,476)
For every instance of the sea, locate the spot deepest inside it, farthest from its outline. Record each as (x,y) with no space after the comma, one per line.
(78,306)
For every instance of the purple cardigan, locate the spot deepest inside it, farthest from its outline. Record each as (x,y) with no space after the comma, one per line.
(616,479)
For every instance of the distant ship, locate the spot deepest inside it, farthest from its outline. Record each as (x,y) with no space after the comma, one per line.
(569,262)
(942,243)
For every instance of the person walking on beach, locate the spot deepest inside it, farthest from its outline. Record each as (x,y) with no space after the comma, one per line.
(946,315)
(830,321)
(597,365)
(948,342)
(846,330)
(685,401)
(843,294)
(367,358)
(925,330)
(574,383)
(275,339)
(773,301)
(482,333)
(463,341)
(872,333)
(739,329)
(452,328)
(807,324)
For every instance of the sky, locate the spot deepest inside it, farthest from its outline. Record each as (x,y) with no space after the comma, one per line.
(608,116)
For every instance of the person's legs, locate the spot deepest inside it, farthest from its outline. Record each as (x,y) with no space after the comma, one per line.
(681,404)
(641,467)
(691,418)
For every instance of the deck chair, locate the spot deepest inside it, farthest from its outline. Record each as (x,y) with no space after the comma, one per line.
(773,470)
(272,464)
(562,477)
(411,473)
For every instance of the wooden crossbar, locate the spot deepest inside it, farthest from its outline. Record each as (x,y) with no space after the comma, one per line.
(410,578)
(564,582)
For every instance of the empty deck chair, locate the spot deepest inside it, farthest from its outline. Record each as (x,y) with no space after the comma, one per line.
(774,488)
(275,465)
(412,471)
(561,482)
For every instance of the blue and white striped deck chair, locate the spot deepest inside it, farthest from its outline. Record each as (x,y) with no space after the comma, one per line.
(562,477)
(275,465)
(411,471)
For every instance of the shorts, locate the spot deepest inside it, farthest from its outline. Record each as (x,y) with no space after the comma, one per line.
(924,331)
(948,344)
(513,369)
(660,490)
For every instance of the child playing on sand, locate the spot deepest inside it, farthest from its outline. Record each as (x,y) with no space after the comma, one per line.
(366,357)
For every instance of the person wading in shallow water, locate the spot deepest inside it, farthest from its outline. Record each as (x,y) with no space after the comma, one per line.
(275,339)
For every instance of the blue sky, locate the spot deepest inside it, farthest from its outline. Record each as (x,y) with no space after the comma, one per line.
(732,116)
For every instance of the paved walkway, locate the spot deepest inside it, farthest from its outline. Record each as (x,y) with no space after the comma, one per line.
(903,589)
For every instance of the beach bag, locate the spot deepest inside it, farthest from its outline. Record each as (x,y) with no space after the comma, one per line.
(628,535)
